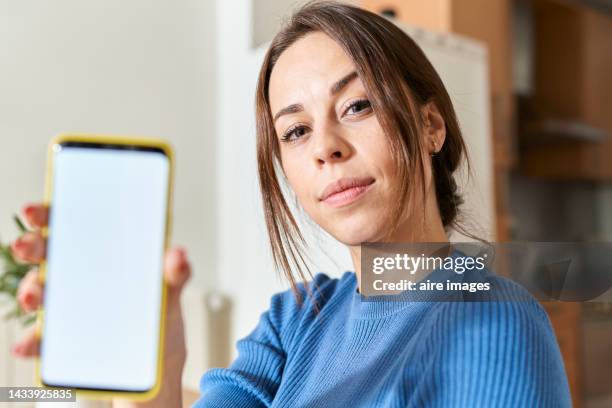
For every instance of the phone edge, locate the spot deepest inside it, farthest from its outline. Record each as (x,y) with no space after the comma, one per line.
(168,150)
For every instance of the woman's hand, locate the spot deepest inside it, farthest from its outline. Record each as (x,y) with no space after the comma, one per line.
(31,248)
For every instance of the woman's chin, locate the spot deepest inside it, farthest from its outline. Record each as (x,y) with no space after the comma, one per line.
(355,234)
(354,227)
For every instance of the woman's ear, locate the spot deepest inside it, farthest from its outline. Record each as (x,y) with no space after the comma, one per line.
(434,127)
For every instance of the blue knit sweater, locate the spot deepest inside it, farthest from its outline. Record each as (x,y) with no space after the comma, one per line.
(357,353)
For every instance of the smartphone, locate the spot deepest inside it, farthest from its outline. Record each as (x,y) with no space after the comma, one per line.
(102,318)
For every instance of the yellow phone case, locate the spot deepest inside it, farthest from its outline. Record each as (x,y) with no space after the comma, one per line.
(121,140)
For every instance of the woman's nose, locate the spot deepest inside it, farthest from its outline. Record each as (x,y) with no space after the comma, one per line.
(330,146)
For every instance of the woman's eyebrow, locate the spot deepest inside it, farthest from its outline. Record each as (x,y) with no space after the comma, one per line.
(296,107)
(344,81)
(335,88)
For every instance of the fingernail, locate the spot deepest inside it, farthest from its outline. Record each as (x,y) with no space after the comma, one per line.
(29,210)
(28,298)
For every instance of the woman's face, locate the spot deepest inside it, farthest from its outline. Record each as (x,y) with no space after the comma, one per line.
(334,152)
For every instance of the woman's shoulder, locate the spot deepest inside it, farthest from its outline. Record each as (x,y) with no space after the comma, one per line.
(507,309)
(486,342)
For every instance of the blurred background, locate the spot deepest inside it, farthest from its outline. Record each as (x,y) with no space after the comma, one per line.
(530,80)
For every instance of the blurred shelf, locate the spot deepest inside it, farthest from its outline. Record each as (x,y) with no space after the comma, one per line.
(560,130)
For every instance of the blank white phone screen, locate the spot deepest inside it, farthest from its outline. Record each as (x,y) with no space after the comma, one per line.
(104,282)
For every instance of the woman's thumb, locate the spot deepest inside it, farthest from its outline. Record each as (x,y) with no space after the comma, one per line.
(177,268)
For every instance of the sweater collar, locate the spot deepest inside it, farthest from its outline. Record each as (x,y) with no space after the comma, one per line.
(380,306)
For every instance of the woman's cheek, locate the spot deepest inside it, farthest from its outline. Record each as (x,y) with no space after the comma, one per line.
(311,209)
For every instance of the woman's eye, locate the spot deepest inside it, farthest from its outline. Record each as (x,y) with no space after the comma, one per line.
(358,107)
(294,133)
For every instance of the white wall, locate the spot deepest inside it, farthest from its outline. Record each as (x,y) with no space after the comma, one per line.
(244,268)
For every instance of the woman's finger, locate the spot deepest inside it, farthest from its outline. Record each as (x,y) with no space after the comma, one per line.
(29,345)
(36,215)
(30,247)
(30,291)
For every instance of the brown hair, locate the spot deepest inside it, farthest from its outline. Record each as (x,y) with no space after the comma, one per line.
(398,79)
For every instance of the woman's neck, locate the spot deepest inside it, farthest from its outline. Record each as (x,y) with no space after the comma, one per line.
(433,231)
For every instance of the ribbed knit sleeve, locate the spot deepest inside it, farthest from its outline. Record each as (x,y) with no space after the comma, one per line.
(254,377)
(491,354)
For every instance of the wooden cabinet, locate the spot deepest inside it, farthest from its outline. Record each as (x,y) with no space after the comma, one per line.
(573,88)
(566,319)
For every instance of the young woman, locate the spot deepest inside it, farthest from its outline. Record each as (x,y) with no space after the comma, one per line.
(355,118)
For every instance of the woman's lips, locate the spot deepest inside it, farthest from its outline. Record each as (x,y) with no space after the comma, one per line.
(346,191)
